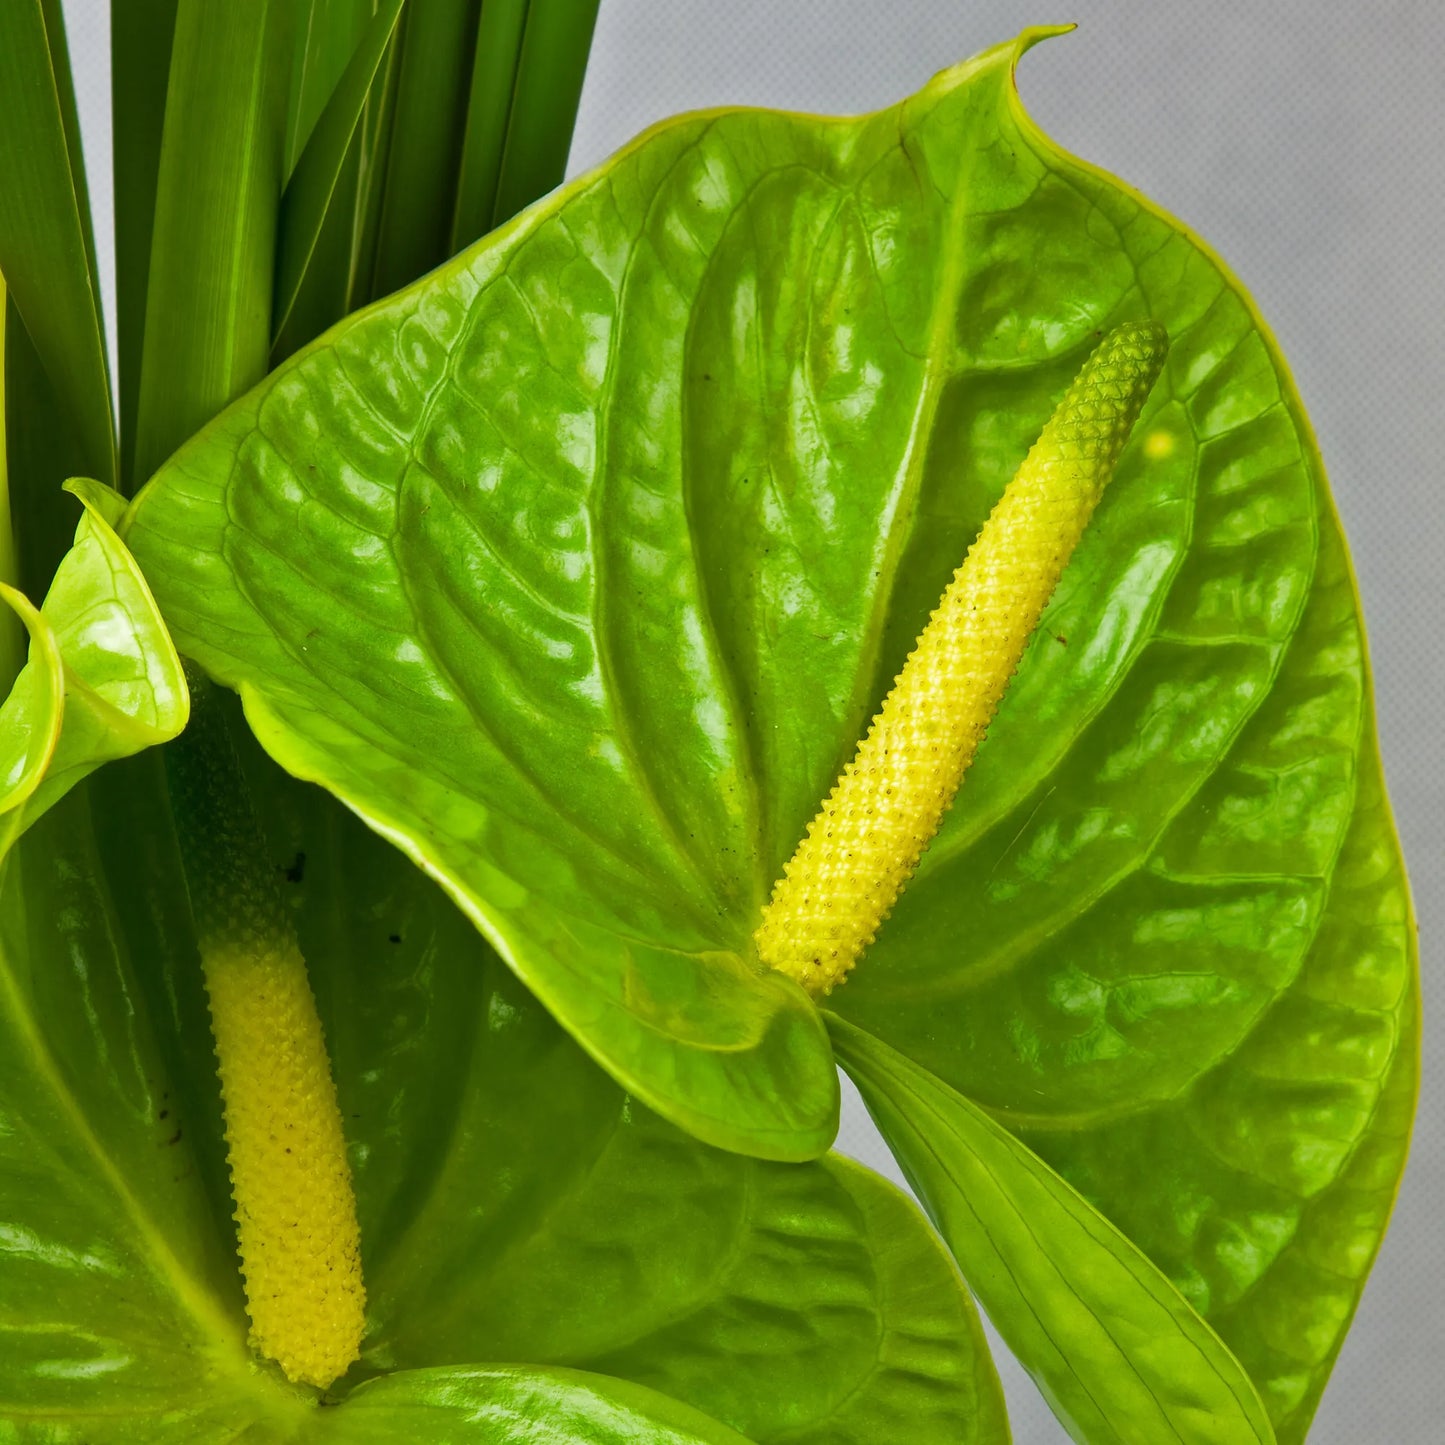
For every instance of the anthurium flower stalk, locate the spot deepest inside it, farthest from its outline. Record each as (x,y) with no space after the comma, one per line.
(866,840)
(295,1208)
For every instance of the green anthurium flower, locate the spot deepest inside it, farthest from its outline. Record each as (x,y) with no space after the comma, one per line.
(576,570)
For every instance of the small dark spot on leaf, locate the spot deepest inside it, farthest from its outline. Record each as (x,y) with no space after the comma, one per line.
(296,870)
(1061,639)
(176,1137)
(393,938)
(164,1114)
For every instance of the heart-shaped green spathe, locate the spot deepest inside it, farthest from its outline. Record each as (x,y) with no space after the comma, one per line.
(578,567)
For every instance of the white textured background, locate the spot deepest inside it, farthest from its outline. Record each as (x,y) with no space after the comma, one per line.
(1306,141)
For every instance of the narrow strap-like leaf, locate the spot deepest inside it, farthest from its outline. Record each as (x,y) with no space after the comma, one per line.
(494,78)
(311,194)
(54,13)
(544,103)
(1115,1348)
(208,311)
(44,252)
(414,225)
(141,33)
(325,38)
(375,149)
(12,652)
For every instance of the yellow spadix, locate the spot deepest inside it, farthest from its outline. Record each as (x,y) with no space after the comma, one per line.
(865,842)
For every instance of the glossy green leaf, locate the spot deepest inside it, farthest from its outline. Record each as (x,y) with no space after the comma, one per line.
(511,1406)
(1120,1355)
(514,1205)
(141,36)
(45,251)
(578,568)
(103,680)
(317,195)
(213,248)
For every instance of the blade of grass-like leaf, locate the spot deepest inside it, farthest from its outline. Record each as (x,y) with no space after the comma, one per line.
(70,128)
(208,311)
(326,285)
(376,131)
(12,652)
(43,447)
(437,41)
(1118,1352)
(544,103)
(326,39)
(141,32)
(44,249)
(316,190)
(494,78)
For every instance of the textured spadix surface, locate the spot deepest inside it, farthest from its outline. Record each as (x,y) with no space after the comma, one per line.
(863,846)
(579,567)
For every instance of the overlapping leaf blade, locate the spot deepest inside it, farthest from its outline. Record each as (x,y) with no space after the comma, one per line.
(489,111)
(45,249)
(325,38)
(121,1308)
(141,36)
(11,650)
(314,227)
(425,144)
(546,90)
(213,244)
